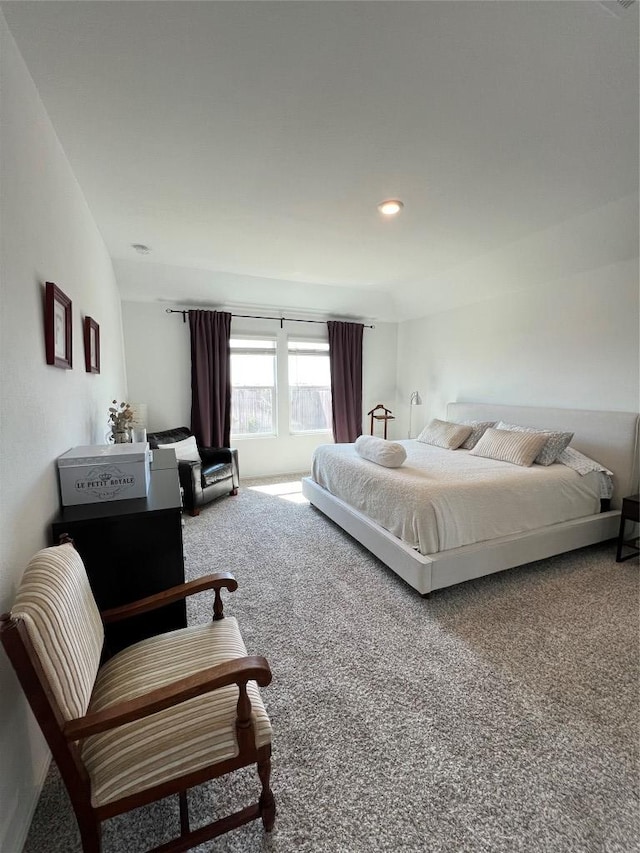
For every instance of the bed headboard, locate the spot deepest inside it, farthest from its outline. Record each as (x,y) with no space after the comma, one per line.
(611,438)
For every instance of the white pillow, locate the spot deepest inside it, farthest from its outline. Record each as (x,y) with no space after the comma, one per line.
(379,450)
(186,450)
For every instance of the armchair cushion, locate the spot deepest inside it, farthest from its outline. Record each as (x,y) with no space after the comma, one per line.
(63,622)
(186,449)
(178,740)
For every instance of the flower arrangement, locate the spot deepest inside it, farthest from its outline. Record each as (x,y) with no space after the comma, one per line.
(120,417)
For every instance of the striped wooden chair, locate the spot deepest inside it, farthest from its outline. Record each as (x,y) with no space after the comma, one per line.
(158,718)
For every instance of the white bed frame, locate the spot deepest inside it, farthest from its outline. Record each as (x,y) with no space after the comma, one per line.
(609,437)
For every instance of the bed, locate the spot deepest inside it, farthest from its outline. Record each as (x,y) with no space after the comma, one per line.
(437,550)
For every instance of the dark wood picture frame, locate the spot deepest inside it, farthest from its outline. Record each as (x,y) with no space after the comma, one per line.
(91,345)
(57,327)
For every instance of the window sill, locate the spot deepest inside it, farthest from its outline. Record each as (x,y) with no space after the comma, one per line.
(253,437)
(325,433)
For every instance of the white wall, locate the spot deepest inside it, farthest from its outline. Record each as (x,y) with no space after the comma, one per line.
(48,234)
(158,370)
(158,363)
(138,278)
(573,343)
(379,356)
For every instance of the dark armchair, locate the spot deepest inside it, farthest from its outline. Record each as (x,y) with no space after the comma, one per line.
(215,475)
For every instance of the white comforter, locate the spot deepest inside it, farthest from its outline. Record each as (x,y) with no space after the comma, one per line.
(442,499)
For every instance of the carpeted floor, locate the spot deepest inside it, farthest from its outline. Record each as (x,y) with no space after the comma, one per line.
(498,716)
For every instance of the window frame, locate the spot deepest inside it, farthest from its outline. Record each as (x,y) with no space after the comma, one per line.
(264,336)
(323,349)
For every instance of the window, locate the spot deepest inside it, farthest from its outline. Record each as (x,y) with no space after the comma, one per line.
(309,387)
(259,366)
(253,387)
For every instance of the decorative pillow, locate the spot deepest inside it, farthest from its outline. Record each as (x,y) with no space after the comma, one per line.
(584,465)
(479,429)
(554,445)
(445,434)
(579,462)
(186,450)
(379,450)
(519,448)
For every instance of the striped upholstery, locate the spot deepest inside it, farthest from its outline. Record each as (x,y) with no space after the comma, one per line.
(445,434)
(178,740)
(60,614)
(519,448)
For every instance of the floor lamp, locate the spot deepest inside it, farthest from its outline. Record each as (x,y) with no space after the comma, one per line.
(414,400)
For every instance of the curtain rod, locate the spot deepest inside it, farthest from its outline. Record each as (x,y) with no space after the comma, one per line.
(257,317)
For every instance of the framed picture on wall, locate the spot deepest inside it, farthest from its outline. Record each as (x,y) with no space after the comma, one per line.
(57,327)
(91,345)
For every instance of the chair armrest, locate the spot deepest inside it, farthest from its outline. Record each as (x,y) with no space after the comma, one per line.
(238,671)
(216,455)
(189,465)
(224,456)
(167,436)
(190,476)
(175,593)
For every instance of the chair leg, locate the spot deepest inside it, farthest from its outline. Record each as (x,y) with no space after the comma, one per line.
(233,492)
(90,834)
(195,511)
(184,813)
(267,802)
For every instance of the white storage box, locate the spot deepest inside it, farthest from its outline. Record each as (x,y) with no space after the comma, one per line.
(99,473)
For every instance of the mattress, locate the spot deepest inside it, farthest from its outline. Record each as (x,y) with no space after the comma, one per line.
(442,499)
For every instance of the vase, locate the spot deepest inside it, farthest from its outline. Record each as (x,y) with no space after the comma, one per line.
(121,436)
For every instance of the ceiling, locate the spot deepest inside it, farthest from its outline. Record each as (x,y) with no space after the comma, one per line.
(248,143)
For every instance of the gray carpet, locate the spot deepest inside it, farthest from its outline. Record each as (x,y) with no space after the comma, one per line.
(498,716)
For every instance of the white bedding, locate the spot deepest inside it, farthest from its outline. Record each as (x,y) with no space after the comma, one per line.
(442,499)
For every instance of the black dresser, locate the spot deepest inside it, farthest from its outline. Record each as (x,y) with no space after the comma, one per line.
(131,549)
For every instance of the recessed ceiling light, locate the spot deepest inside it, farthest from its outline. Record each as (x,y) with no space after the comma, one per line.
(390,207)
(140,248)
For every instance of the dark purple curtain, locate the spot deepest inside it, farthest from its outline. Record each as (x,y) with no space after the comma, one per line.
(345,359)
(210,377)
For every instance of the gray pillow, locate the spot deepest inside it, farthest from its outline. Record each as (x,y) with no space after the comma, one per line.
(553,447)
(478,430)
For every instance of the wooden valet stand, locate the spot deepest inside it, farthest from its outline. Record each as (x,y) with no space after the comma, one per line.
(383,414)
